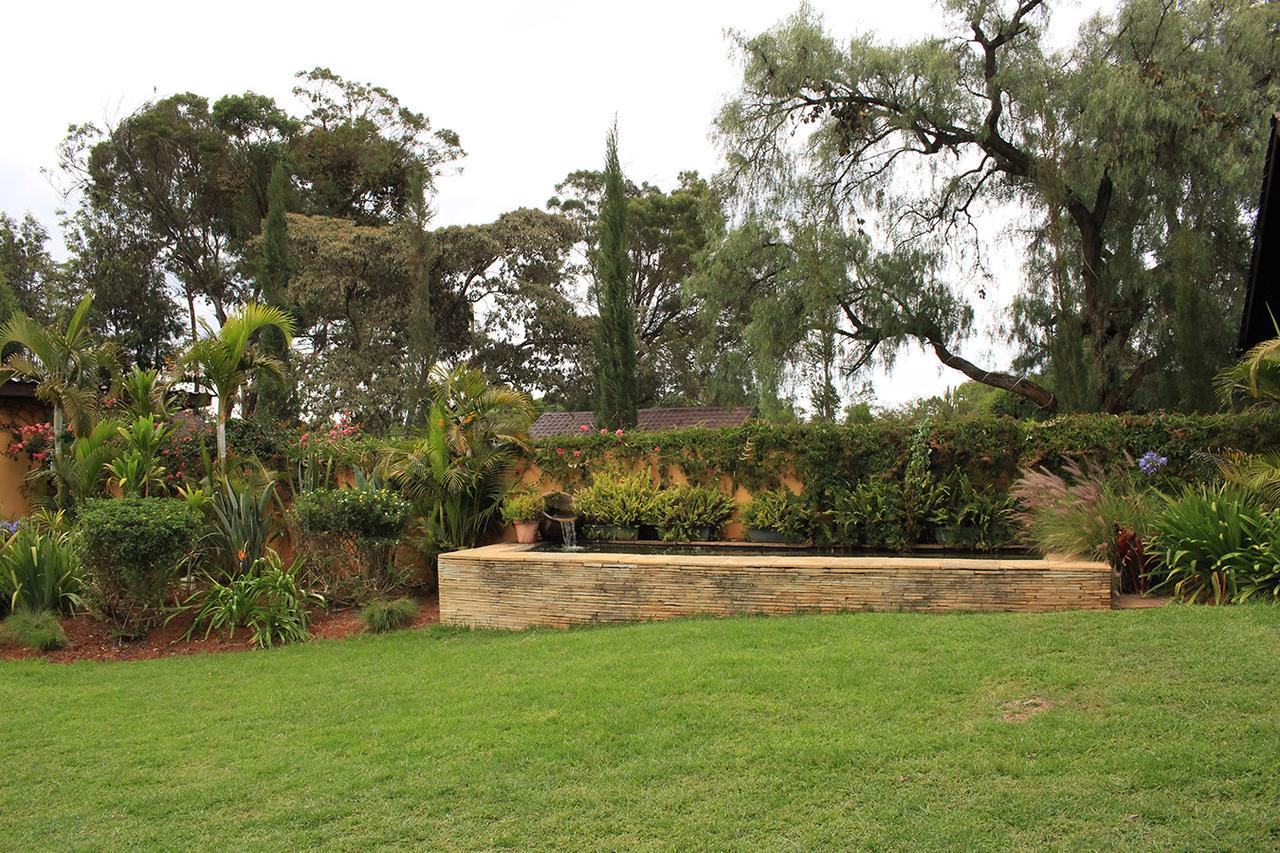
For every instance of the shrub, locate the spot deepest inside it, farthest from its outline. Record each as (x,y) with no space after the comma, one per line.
(683,512)
(1079,514)
(978,518)
(521,505)
(613,498)
(39,571)
(779,510)
(382,615)
(349,538)
(267,600)
(133,550)
(34,629)
(1215,545)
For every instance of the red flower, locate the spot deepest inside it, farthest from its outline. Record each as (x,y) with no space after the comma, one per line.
(604,431)
(618,432)
(559,451)
(584,428)
(577,453)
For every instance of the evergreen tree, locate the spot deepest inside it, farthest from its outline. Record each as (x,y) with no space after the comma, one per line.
(615,346)
(274,396)
(420,330)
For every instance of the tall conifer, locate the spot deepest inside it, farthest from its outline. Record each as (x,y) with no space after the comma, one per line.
(615,344)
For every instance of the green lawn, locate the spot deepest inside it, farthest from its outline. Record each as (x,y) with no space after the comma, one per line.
(1161,729)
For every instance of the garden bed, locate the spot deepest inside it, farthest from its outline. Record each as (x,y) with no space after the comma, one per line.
(519,586)
(91,639)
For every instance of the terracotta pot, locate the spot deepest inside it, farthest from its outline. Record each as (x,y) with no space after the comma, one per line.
(526,532)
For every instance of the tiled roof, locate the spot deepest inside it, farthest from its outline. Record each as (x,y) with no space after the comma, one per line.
(648,420)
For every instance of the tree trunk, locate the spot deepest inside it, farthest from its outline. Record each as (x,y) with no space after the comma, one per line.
(57,431)
(222,436)
(1019,385)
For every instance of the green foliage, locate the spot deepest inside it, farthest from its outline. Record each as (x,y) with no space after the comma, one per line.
(274,398)
(242,519)
(133,550)
(1216,546)
(779,510)
(378,514)
(683,513)
(137,471)
(39,570)
(383,615)
(522,505)
(81,474)
(33,629)
(871,515)
(978,518)
(615,346)
(267,599)
(617,499)
(457,470)
(349,538)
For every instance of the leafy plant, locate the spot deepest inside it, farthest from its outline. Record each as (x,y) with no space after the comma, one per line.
(618,499)
(267,599)
(457,471)
(137,471)
(382,615)
(685,512)
(227,358)
(133,549)
(39,571)
(34,629)
(521,505)
(780,510)
(349,537)
(81,474)
(242,521)
(1214,544)
(871,515)
(981,518)
(65,363)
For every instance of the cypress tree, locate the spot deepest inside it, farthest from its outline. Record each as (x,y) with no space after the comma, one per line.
(615,344)
(420,331)
(274,397)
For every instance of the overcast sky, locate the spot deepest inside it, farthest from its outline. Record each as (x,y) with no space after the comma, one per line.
(531,87)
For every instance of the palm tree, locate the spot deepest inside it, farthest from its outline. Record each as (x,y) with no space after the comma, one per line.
(457,471)
(227,359)
(67,365)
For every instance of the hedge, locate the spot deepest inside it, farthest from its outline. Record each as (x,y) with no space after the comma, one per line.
(828,458)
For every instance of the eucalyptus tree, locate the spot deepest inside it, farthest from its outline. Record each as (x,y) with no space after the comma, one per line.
(226,359)
(68,366)
(1131,156)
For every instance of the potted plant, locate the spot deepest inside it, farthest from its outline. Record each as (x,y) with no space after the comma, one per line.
(523,508)
(775,516)
(690,513)
(615,505)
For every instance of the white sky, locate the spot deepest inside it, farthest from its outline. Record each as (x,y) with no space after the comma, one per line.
(531,87)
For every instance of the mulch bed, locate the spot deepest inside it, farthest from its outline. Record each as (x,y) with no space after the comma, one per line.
(91,639)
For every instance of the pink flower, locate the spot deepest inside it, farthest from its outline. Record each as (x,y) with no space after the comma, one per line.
(618,432)
(604,431)
(577,453)
(656,448)
(559,451)
(584,428)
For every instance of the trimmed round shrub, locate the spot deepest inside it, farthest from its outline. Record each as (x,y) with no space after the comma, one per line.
(133,551)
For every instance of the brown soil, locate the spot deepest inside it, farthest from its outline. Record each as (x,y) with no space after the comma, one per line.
(91,639)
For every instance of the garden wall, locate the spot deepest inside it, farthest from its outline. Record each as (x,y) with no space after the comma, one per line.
(820,460)
(510,586)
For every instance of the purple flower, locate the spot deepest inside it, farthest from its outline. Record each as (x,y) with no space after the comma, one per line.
(1151,462)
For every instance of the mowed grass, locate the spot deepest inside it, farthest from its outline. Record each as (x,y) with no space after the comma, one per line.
(1134,729)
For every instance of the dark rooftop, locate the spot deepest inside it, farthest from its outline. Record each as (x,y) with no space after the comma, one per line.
(648,420)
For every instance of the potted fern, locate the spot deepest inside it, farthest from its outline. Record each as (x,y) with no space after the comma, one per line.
(523,509)
(775,516)
(615,505)
(690,513)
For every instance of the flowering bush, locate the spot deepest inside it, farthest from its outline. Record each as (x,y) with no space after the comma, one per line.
(34,440)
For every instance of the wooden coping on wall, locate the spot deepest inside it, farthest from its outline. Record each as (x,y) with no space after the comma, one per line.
(517,586)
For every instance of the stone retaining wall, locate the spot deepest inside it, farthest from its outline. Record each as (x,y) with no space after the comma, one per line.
(512,586)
